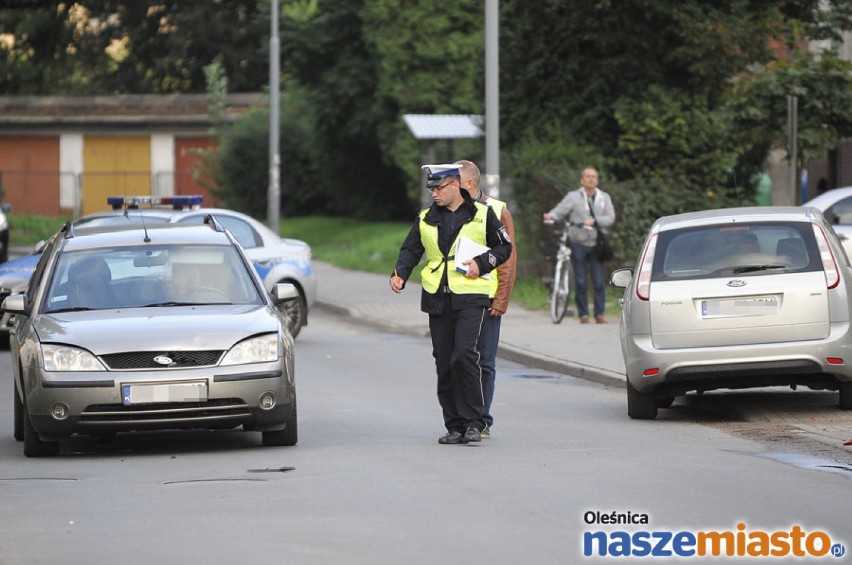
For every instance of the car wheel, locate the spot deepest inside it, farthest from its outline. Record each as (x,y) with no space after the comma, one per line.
(33,445)
(288,436)
(845,389)
(640,405)
(19,414)
(296,312)
(665,402)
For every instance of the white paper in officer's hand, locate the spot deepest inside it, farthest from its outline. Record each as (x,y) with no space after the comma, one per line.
(468,249)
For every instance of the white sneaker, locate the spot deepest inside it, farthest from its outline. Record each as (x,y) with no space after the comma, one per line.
(485,434)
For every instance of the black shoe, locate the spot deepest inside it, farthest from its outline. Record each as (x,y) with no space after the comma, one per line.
(451,437)
(471,435)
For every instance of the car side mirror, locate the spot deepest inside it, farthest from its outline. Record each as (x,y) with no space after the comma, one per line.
(621,278)
(15,304)
(284,292)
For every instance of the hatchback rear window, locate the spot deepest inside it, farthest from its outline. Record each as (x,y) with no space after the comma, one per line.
(742,250)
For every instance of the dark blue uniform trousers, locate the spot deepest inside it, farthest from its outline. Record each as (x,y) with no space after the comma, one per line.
(458,345)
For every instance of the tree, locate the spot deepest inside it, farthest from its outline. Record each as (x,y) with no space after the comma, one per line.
(114,46)
(757,102)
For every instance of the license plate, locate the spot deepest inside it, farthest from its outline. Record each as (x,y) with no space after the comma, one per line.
(731,307)
(147,393)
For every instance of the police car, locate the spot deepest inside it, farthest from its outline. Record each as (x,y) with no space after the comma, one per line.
(276,259)
(14,277)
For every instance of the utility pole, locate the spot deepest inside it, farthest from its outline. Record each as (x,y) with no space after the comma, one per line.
(792,151)
(274,191)
(492,98)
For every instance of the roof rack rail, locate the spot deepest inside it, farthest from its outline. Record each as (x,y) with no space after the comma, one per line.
(68,228)
(211,221)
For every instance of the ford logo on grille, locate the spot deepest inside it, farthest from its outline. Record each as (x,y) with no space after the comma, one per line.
(737,283)
(163,360)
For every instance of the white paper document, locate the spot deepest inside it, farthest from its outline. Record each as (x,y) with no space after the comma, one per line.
(468,249)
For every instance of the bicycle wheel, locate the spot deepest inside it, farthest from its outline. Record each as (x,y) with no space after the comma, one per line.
(566,279)
(561,292)
(558,300)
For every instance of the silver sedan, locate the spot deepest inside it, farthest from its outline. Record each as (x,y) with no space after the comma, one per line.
(164,327)
(736,298)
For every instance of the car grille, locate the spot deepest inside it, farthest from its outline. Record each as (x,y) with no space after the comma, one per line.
(223,412)
(145,359)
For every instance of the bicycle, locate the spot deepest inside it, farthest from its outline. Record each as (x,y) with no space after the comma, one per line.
(563,275)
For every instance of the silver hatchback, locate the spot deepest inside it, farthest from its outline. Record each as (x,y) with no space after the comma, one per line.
(168,327)
(736,298)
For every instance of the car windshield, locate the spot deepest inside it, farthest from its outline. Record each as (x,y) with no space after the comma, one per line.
(759,248)
(160,276)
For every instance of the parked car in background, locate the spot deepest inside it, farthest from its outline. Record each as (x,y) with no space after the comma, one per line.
(4,232)
(161,327)
(276,259)
(14,277)
(736,298)
(836,206)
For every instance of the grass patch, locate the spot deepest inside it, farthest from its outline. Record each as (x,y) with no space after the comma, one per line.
(351,244)
(26,230)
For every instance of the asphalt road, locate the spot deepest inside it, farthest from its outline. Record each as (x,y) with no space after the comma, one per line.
(368,482)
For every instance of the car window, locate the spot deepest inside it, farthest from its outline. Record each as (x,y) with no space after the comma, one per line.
(118,220)
(840,213)
(741,250)
(242,231)
(151,276)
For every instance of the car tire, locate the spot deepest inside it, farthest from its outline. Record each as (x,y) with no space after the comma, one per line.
(288,436)
(296,312)
(640,405)
(33,445)
(19,415)
(845,390)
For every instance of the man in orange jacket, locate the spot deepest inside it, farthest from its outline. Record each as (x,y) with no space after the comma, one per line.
(505,282)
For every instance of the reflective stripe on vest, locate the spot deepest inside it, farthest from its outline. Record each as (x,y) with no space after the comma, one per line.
(433,272)
(497,206)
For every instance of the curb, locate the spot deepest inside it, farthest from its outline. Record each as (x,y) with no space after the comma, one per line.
(506,351)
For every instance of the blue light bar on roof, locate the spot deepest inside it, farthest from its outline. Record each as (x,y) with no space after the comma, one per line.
(190,201)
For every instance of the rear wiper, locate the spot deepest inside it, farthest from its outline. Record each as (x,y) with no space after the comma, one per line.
(753,268)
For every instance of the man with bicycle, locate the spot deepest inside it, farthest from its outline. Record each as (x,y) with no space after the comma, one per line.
(585,209)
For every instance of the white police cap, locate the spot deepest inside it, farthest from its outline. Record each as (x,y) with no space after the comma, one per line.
(435,174)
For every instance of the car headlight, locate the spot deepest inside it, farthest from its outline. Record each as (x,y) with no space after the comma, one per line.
(255,350)
(67,358)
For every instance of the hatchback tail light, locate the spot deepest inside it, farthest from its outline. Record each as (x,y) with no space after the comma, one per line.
(829,265)
(643,279)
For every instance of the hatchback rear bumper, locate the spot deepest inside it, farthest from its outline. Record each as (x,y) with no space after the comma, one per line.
(676,371)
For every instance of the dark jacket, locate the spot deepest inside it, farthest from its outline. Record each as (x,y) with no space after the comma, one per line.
(412,251)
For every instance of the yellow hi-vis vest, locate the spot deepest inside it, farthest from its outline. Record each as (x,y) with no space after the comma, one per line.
(436,263)
(497,206)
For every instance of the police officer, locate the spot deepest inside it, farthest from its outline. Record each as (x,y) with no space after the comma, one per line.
(457,301)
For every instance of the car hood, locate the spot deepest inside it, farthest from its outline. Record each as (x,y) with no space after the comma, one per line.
(145,329)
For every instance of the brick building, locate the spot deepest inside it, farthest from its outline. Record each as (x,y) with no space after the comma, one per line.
(64,155)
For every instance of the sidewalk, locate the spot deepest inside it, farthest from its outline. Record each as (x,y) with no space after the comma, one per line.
(588,351)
